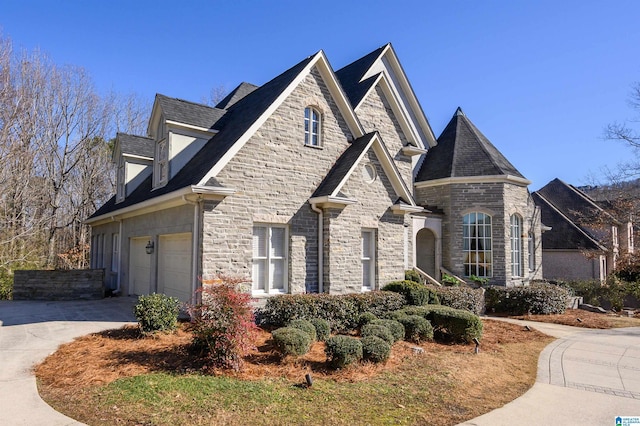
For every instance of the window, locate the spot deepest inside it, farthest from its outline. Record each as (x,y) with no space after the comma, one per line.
(120,182)
(270,270)
(368,259)
(161,163)
(311,127)
(478,257)
(516,246)
(532,252)
(98,251)
(115,252)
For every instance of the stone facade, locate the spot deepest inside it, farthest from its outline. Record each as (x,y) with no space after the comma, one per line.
(58,284)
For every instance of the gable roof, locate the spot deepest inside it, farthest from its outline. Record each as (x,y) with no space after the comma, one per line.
(235,126)
(565,234)
(236,94)
(344,167)
(181,111)
(138,146)
(464,152)
(382,68)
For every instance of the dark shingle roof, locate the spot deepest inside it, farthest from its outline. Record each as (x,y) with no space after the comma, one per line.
(564,234)
(239,117)
(463,151)
(350,76)
(343,165)
(136,145)
(188,112)
(236,94)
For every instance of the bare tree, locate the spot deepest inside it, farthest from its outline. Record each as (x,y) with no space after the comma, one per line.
(627,133)
(216,94)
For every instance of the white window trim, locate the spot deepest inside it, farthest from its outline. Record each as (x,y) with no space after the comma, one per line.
(370,259)
(476,251)
(161,163)
(515,238)
(121,179)
(115,252)
(309,134)
(532,252)
(267,259)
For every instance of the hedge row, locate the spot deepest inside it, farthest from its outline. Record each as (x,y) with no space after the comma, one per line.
(416,294)
(448,323)
(461,297)
(534,299)
(341,311)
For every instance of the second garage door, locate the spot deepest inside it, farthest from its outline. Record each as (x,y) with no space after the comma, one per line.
(174,266)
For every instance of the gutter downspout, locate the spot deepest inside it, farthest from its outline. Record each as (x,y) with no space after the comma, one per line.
(195,239)
(315,208)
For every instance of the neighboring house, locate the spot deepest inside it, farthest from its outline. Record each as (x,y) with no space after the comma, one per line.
(584,240)
(306,184)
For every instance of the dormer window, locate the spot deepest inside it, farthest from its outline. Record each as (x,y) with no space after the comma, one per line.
(312,121)
(161,171)
(120,182)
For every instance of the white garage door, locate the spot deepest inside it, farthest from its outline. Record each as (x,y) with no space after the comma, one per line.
(139,266)
(174,266)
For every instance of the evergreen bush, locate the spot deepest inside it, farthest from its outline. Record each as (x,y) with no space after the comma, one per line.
(305,326)
(291,341)
(417,328)
(343,350)
(377,330)
(323,329)
(375,349)
(415,294)
(157,312)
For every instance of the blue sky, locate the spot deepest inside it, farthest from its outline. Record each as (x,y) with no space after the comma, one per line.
(541,79)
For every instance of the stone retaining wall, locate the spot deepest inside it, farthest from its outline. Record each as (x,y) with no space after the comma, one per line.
(58,284)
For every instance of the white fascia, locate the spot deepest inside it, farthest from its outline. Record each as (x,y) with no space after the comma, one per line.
(340,98)
(137,157)
(405,208)
(165,201)
(516,180)
(191,127)
(328,201)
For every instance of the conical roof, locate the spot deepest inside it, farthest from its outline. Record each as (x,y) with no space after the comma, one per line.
(463,151)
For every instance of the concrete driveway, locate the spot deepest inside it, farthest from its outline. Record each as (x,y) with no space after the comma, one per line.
(586,377)
(31,330)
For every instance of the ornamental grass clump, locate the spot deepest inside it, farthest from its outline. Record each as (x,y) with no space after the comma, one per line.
(157,312)
(223,324)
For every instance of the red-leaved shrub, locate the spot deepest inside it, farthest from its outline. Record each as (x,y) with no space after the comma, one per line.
(222,323)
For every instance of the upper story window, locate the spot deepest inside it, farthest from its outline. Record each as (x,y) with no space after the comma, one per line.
(477,245)
(161,168)
(120,182)
(312,122)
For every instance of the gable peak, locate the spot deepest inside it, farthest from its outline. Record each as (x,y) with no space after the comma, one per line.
(459,112)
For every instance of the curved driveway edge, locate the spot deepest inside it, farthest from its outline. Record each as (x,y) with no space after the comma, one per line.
(586,377)
(29,332)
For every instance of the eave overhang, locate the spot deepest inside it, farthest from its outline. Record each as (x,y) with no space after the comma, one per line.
(328,201)
(515,180)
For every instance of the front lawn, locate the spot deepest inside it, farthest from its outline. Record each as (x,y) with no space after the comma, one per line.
(118,377)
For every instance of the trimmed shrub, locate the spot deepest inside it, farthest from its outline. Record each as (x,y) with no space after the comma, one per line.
(411,275)
(343,350)
(415,294)
(157,312)
(366,318)
(461,297)
(396,328)
(291,341)
(378,330)
(448,323)
(223,324)
(416,328)
(323,329)
(341,311)
(375,349)
(534,299)
(305,326)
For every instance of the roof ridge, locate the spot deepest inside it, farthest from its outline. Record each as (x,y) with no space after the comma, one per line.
(188,102)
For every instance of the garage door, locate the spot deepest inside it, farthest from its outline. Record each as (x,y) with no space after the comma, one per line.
(139,266)
(174,266)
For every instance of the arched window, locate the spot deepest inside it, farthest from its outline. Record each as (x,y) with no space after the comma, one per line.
(477,245)
(516,246)
(312,122)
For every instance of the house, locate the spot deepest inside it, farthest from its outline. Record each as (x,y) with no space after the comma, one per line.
(316,181)
(584,240)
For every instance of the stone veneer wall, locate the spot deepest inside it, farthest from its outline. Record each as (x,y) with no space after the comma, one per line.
(275,174)
(58,285)
(500,200)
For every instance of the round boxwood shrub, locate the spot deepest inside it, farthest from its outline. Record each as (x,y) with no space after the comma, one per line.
(291,341)
(323,329)
(343,350)
(305,326)
(157,312)
(396,328)
(365,318)
(377,330)
(415,294)
(375,349)
(416,328)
